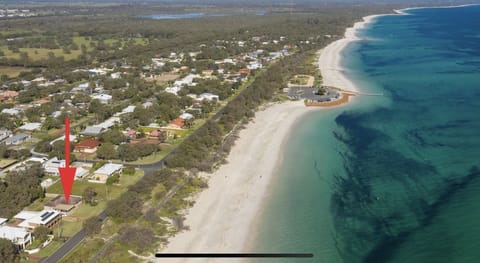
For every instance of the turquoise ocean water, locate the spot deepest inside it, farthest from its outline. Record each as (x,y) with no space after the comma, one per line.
(393,178)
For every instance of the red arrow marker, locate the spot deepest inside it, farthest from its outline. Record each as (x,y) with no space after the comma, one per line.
(67,173)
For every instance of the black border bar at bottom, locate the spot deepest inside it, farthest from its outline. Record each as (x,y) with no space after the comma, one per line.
(234,255)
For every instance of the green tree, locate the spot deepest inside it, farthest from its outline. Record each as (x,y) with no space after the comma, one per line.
(92,225)
(113,136)
(127,153)
(41,233)
(8,251)
(90,196)
(106,151)
(140,239)
(125,208)
(130,170)
(114,179)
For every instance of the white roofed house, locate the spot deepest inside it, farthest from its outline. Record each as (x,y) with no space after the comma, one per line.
(12,112)
(128,109)
(31,126)
(173,90)
(186,116)
(103,98)
(107,170)
(17,139)
(19,236)
(93,130)
(208,97)
(147,104)
(33,219)
(51,166)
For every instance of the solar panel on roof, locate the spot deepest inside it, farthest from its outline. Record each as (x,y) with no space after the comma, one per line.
(44,215)
(49,215)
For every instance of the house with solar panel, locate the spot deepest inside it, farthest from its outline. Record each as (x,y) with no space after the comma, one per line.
(30,220)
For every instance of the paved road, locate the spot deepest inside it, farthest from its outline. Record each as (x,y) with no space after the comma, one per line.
(67,247)
(147,168)
(71,243)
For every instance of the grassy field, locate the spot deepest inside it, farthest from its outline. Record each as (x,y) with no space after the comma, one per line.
(42,53)
(113,191)
(12,72)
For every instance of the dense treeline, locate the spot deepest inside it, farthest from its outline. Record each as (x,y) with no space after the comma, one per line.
(19,189)
(194,150)
(129,205)
(112,35)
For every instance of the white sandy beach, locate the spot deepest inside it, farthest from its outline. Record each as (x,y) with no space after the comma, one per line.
(222,218)
(331,56)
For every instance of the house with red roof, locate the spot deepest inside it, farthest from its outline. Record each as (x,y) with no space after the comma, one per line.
(87,146)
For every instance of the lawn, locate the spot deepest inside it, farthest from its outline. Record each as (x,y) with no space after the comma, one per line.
(155,157)
(38,205)
(50,249)
(84,251)
(69,228)
(102,190)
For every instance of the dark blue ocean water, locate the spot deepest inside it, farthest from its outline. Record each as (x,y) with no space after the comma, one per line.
(393,178)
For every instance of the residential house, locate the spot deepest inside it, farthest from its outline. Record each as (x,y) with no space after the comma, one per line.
(51,166)
(186,116)
(87,146)
(12,112)
(147,104)
(208,97)
(31,126)
(155,134)
(103,98)
(93,130)
(177,123)
(107,170)
(244,72)
(173,90)
(128,109)
(130,134)
(254,65)
(19,236)
(81,172)
(116,75)
(8,95)
(17,139)
(83,87)
(33,219)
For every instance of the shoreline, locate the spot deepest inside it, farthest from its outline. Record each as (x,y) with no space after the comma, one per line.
(330,58)
(224,214)
(402,11)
